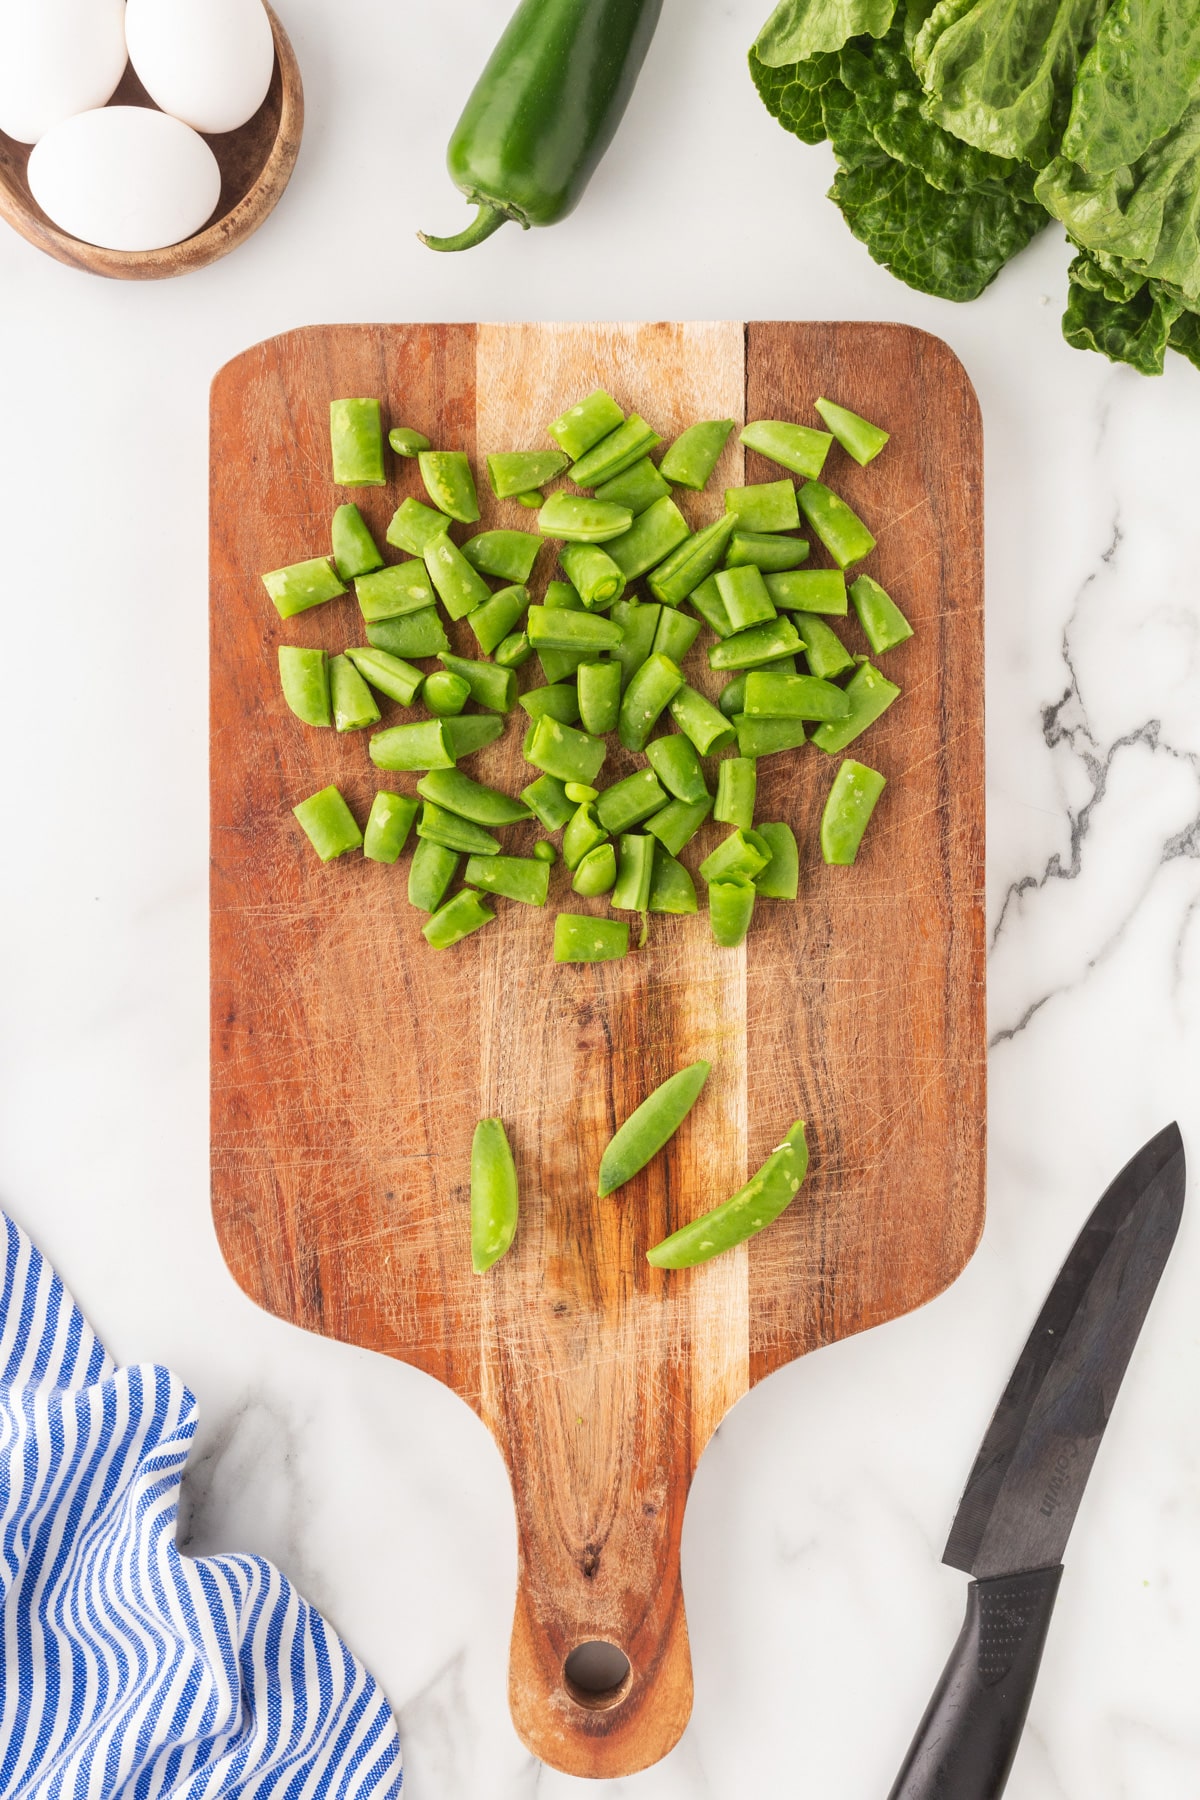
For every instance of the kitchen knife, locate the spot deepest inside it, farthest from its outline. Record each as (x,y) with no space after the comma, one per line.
(1020,1501)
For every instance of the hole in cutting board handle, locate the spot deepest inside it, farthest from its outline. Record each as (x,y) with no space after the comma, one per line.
(597,1675)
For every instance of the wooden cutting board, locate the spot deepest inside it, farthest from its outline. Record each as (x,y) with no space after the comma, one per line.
(350,1062)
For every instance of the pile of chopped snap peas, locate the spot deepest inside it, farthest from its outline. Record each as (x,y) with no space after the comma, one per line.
(647,1130)
(611,662)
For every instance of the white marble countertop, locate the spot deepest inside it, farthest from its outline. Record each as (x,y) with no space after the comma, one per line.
(819,1612)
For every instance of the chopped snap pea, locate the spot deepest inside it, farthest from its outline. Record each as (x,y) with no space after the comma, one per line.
(585,423)
(328,824)
(837,525)
(494,1196)
(579,938)
(557,628)
(766,737)
(582,520)
(450,483)
(490,685)
(780,880)
(733,857)
(651,689)
(692,562)
(391,675)
(561,750)
(672,889)
(649,539)
(471,732)
(630,802)
(583,834)
(545,852)
(677,632)
(767,550)
(771,695)
(824,650)
(638,622)
(445,694)
(614,453)
(870,694)
(744,592)
(421,745)
(353,705)
(674,760)
(302,585)
(304,678)
(708,603)
(678,822)
(355,551)
(858,437)
(390,593)
(700,720)
(492,622)
(523,878)
(736,786)
(533,499)
(460,588)
(407,442)
(509,555)
(884,625)
(514,651)
(454,833)
(765,1196)
(414,634)
(730,909)
(809,590)
(635,866)
(852,800)
(415,525)
(390,821)
(558,698)
(650,1127)
(356,442)
(514,474)
(638,487)
(560,596)
(758,644)
(547,800)
(732,698)
(795,447)
(457,919)
(596,872)
(457,793)
(765,506)
(592,572)
(430,873)
(599,688)
(696,452)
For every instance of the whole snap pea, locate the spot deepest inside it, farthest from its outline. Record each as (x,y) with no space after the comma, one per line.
(494,1196)
(852,800)
(457,919)
(750,1210)
(858,437)
(650,1126)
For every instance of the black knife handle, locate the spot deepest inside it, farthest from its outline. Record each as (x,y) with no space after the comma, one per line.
(966,1742)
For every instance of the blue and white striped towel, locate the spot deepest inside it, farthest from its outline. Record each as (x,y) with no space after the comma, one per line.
(128,1671)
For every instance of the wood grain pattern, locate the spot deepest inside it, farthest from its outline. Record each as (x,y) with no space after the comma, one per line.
(350,1063)
(256,163)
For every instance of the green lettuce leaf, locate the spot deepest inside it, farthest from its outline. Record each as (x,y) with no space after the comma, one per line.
(1134,330)
(1147,215)
(1185,337)
(890,100)
(800,29)
(1135,82)
(790,96)
(1000,73)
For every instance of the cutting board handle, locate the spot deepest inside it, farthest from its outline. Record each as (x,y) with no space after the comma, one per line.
(622,1703)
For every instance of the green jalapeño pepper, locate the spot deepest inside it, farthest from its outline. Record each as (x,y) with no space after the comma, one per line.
(544,111)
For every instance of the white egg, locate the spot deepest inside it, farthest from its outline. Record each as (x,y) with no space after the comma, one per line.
(207,61)
(125,177)
(57,57)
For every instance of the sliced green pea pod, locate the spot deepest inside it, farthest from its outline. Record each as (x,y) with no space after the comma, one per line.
(795,447)
(599,688)
(629,802)
(614,453)
(390,821)
(560,628)
(675,761)
(585,424)
(302,585)
(638,622)
(328,824)
(677,632)
(355,551)
(450,483)
(649,539)
(691,562)
(460,587)
(759,644)
(755,1206)
(824,650)
(304,678)
(637,487)
(581,520)
(593,574)
(596,872)
(415,525)
(672,889)
(744,592)
(852,800)
(457,919)
(764,506)
(415,634)
(733,858)
(767,737)
(780,880)
(390,593)
(767,550)
(390,675)
(870,694)
(514,651)
(737,783)
(451,789)
(773,695)
(701,721)
(356,442)
(837,525)
(430,873)
(695,453)
(495,1203)
(407,442)
(420,745)
(547,800)
(523,878)
(884,625)
(490,685)
(708,603)
(651,1126)
(678,822)
(653,686)
(471,732)
(453,833)
(857,436)
(492,622)
(730,909)
(582,835)
(516,473)
(353,704)
(635,866)
(508,555)
(558,698)
(563,751)
(579,938)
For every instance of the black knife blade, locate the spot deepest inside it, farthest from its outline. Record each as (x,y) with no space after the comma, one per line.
(1022,1495)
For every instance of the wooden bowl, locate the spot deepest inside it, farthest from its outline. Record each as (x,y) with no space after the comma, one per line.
(256,163)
